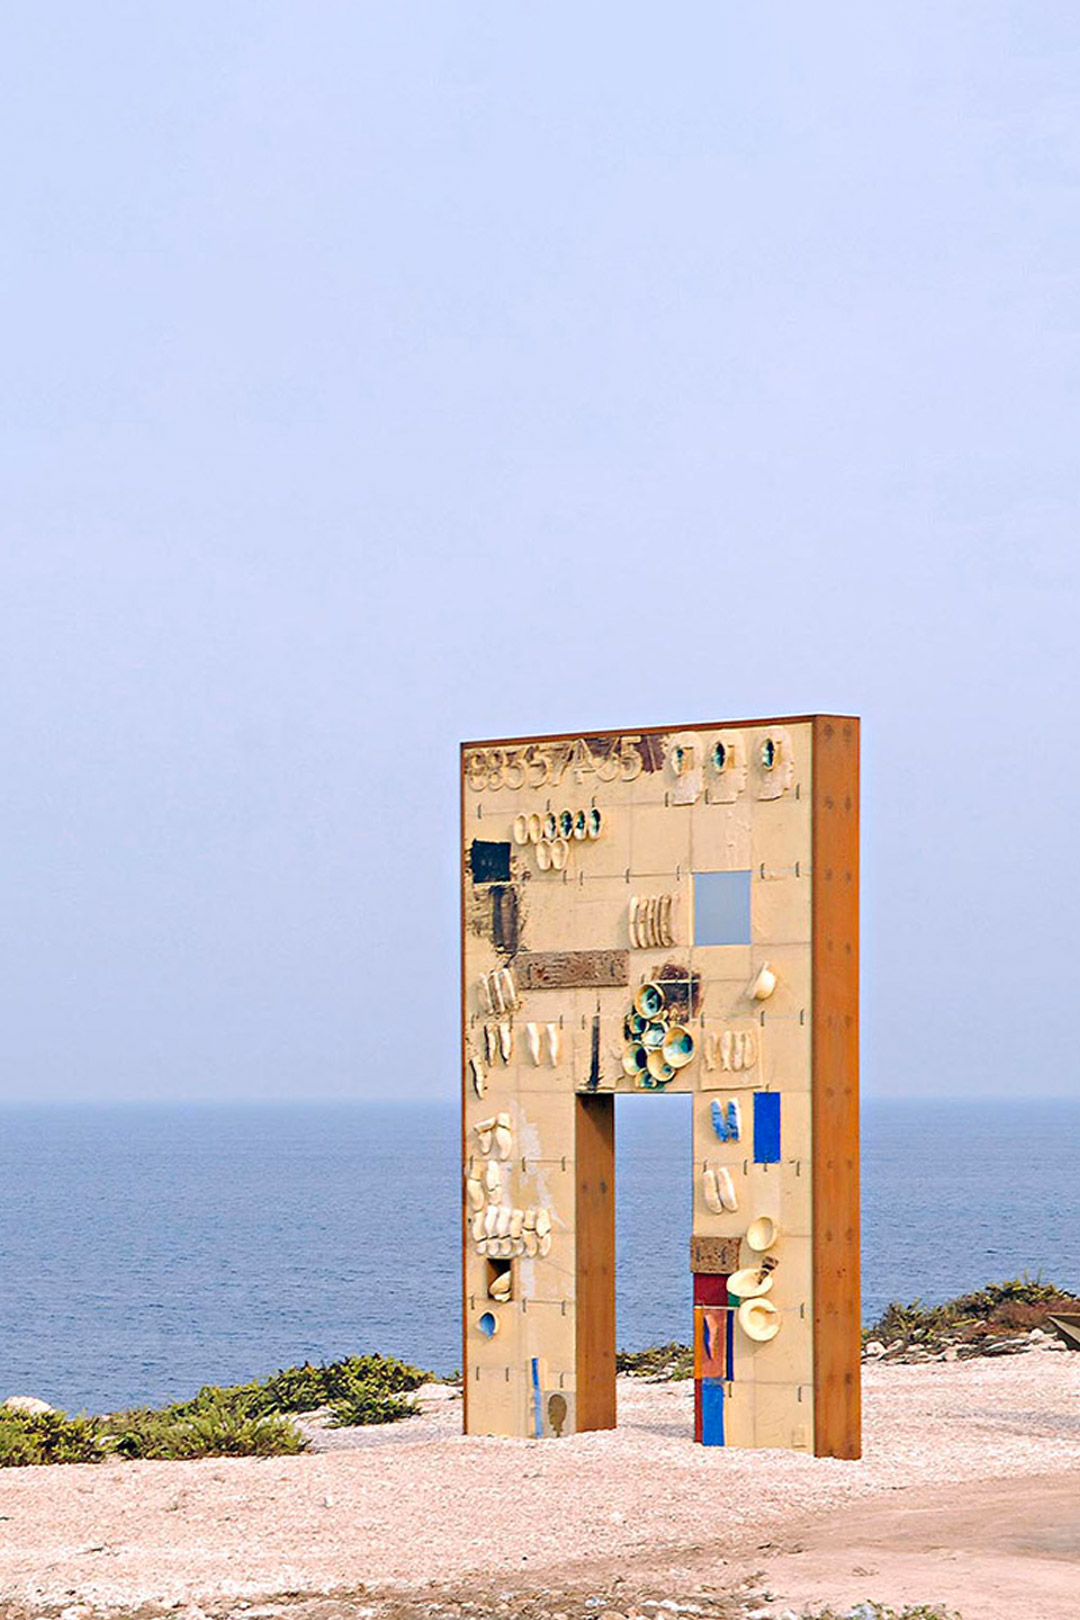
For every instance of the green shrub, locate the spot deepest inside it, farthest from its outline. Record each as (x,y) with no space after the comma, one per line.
(358,1381)
(660,1363)
(214,1431)
(368,1405)
(47,1437)
(1019,1304)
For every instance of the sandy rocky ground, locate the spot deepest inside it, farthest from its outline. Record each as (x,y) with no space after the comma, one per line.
(968,1496)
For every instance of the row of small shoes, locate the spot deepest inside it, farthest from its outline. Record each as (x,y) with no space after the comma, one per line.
(542,1042)
(731,1050)
(502,1232)
(650,920)
(718,1190)
(495,1132)
(497,992)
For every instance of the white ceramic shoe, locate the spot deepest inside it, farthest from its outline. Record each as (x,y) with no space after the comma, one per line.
(725,1051)
(504,1141)
(475,1192)
(543,1245)
(506,1040)
(530,1243)
(631,922)
(479,1080)
(491,1042)
(491,1220)
(502,1223)
(530,1220)
(478,1228)
(483,994)
(710,1191)
(492,1177)
(726,1189)
(554,1042)
(517,1223)
(532,1043)
(543,1223)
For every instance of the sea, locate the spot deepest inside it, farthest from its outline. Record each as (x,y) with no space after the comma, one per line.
(145,1251)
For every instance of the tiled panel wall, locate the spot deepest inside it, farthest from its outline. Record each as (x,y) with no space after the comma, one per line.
(579,861)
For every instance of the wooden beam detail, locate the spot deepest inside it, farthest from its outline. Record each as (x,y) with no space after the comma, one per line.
(835,1094)
(594,1220)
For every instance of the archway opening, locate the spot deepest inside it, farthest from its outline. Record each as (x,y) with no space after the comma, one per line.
(653,1223)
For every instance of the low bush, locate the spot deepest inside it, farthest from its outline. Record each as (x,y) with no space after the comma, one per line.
(214,1431)
(1017,1305)
(358,1390)
(660,1363)
(238,1420)
(47,1437)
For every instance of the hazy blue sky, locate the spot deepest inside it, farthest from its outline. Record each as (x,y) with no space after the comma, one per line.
(375,376)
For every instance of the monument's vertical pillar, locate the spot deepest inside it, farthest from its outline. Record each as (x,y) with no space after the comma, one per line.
(835,1058)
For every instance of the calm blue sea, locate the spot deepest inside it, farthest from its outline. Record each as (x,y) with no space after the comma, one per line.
(145,1251)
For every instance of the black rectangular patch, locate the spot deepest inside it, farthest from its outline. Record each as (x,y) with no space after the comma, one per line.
(489,863)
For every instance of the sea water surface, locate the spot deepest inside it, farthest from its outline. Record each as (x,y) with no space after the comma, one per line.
(145,1251)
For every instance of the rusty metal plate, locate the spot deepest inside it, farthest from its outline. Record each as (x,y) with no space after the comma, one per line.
(715,1256)
(571,970)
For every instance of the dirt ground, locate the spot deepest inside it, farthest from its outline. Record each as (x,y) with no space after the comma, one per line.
(968,1496)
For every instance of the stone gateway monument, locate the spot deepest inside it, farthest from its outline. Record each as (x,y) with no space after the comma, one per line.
(664,911)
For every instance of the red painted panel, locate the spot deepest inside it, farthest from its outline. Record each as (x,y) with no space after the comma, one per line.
(709,1290)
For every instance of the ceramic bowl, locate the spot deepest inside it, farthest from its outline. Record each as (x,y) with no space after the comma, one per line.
(635,1059)
(649,1000)
(653,1035)
(543,855)
(560,854)
(521,829)
(566,823)
(595,824)
(551,825)
(762,1233)
(678,1046)
(488,1324)
(581,825)
(660,1068)
(536,828)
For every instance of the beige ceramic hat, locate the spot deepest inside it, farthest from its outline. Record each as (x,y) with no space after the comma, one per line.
(749,1283)
(759,1319)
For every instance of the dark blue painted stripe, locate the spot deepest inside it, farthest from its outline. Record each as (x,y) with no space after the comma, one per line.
(730,1345)
(766,1127)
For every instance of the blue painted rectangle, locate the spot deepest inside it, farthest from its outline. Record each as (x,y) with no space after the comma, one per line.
(766,1127)
(538,1405)
(712,1411)
(721,908)
(730,1345)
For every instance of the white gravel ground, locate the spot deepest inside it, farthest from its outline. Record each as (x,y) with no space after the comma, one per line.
(418,1502)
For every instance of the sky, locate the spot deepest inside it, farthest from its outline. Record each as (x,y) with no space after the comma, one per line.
(376,377)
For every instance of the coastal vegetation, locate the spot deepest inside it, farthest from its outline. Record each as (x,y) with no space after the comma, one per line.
(972,1320)
(239,1420)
